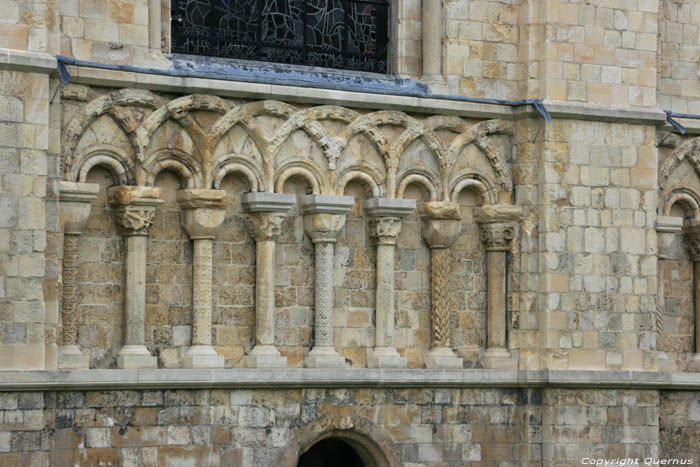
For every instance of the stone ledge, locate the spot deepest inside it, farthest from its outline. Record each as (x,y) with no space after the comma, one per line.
(321,378)
(605,113)
(23,60)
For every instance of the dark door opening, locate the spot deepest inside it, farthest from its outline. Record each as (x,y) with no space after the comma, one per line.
(330,452)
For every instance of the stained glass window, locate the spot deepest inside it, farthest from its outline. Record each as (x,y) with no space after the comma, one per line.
(346,34)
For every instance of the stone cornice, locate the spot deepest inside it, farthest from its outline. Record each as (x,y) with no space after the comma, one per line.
(346,378)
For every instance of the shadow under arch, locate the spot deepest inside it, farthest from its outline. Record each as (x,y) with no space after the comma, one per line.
(371,445)
(366,449)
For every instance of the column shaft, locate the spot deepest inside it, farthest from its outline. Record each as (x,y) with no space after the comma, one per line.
(201,292)
(324,295)
(154,26)
(71,295)
(496,299)
(265,292)
(696,285)
(135,291)
(385,296)
(440,297)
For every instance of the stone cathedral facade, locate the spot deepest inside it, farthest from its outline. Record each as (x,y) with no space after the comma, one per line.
(395,233)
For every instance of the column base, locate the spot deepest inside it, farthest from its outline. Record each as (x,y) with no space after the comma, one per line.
(443,357)
(265,356)
(135,357)
(202,356)
(498,358)
(324,357)
(71,358)
(694,363)
(386,357)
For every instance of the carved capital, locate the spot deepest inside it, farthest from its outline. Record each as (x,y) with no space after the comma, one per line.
(203,212)
(135,220)
(386,230)
(134,208)
(264,226)
(498,236)
(322,227)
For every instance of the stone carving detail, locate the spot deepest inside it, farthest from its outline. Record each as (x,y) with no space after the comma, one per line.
(135,220)
(386,230)
(660,311)
(692,242)
(441,258)
(201,291)
(264,226)
(497,236)
(324,294)
(71,291)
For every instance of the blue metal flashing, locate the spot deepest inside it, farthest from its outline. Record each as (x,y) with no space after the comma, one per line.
(212,68)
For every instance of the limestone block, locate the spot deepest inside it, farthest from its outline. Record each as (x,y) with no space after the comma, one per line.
(204,211)
(267,202)
(389,207)
(74,207)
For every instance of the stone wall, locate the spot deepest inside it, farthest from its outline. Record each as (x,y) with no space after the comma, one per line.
(679,427)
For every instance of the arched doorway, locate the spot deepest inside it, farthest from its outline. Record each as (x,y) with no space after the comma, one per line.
(331,452)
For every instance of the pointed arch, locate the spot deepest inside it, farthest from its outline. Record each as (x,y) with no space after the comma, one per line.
(369,126)
(417,131)
(478,134)
(95,109)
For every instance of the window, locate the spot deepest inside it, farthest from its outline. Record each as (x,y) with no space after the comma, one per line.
(345,34)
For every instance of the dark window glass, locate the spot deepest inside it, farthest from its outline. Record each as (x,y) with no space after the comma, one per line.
(346,34)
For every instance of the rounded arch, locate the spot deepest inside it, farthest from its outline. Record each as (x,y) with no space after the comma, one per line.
(421,179)
(689,151)
(373,446)
(240,165)
(170,159)
(687,198)
(474,181)
(304,169)
(111,158)
(365,175)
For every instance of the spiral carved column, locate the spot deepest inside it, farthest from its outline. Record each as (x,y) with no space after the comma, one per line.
(441,228)
(74,211)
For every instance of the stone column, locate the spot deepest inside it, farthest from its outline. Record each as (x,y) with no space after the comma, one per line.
(667,228)
(692,241)
(432,42)
(154,26)
(203,213)
(498,227)
(73,212)
(324,218)
(441,228)
(134,209)
(386,214)
(267,211)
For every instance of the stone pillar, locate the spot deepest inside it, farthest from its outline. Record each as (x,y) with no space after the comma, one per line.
(692,242)
(441,228)
(203,213)
(324,218)
(386,214)
(432,42)
(134,209)
(667,228)
(73,212)
(498,227)
(267,211)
